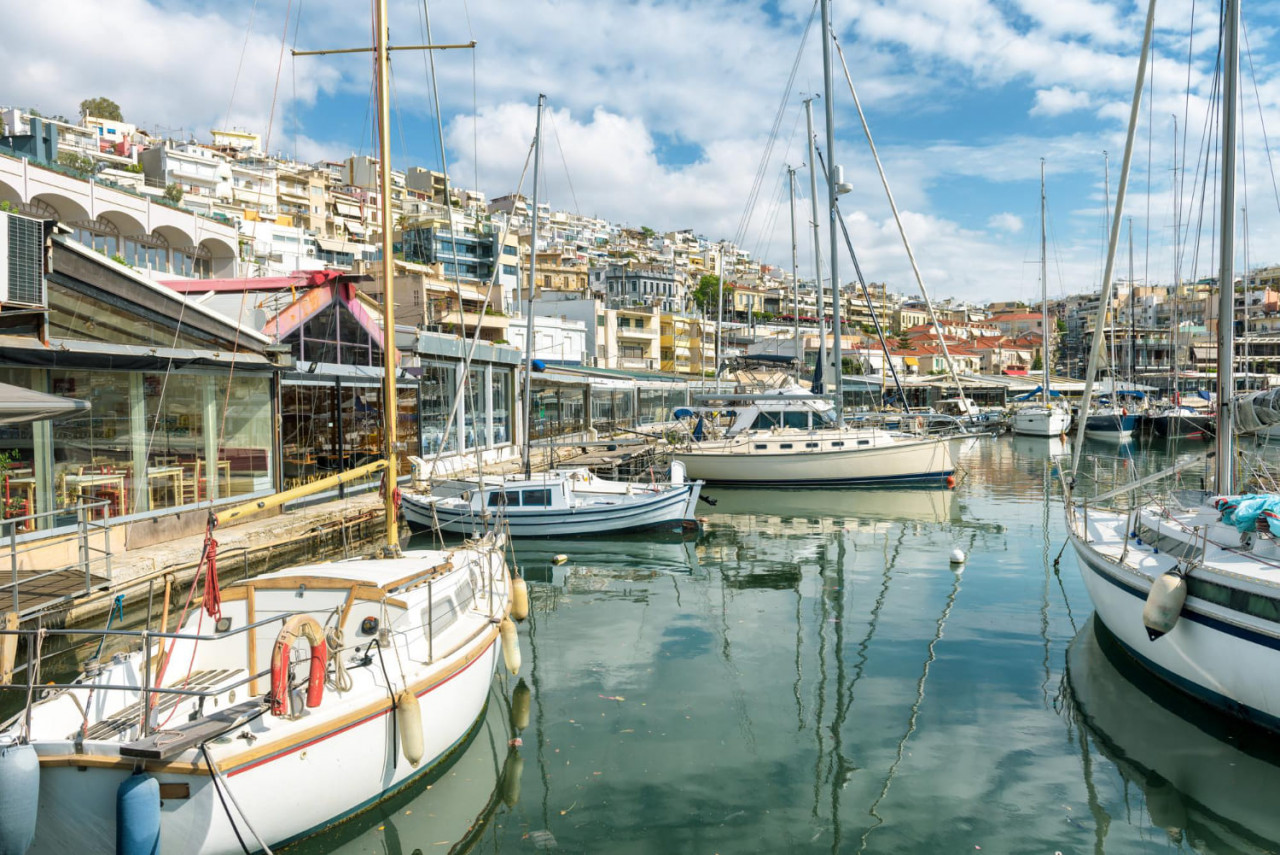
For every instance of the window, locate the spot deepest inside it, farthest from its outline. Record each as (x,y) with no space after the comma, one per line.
(509,250)
(839,443)
(795,419)
(864,442)
(536,498)
(501,499)
(509,270)
(785,446)
(760,446)
(811,445)
(767,419)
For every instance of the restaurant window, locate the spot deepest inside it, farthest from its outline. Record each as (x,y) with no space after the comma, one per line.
(308,432)
(475,410)
(243,461)
(501,405)
(436,393)
(93,450)
(19,466)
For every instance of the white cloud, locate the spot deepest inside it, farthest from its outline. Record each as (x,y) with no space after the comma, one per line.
(1005,222)
(1059,100)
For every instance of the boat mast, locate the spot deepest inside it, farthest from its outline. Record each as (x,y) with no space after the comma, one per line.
(832,212)
(795,281)
(533,267)
(1226,275)
(1133,328)
(1095,349)
(391,403)
(1044,295)
(817,236)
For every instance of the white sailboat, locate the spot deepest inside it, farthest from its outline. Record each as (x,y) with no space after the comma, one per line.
(559,503)
(1189,587)
(1045,418)
(220,737)
(790,438)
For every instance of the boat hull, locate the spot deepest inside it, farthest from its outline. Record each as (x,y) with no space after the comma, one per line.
(667,509)
(908,462)
(1182,425)
(77,810)
(1227,660)
(1110,427)
(1039,421)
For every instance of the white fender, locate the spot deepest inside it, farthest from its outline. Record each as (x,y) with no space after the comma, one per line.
(1164,604)
(510,645)
(519,598)
(409,723)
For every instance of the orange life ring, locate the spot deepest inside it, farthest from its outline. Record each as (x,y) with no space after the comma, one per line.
(309,628)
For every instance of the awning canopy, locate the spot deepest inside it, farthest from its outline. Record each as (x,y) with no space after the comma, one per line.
(27,405)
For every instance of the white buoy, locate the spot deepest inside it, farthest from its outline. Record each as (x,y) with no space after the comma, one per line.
(409,723)
(958,556)
(559,559)
(510,645)
(1164,604)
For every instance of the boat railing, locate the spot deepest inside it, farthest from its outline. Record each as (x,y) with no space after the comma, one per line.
(35,638)
(91,540)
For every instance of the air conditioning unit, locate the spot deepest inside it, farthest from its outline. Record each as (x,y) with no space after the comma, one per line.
(22,284)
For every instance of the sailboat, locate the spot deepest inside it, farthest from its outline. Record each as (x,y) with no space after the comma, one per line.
(1043,419)
(556,503)
(1188,584)
(218,738)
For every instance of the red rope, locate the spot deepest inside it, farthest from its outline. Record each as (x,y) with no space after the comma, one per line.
(212,592)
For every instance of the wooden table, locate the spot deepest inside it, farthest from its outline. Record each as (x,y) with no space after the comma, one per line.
(90,484)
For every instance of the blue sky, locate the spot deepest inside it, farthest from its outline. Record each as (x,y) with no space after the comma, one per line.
(660,110)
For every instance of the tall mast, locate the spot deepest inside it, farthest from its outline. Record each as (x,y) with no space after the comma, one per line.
(1226,273)
(1133,330)
(533,269)
(817,236)
(795,281)
(832,212)
(719,310)
(1044,293)
(391,403)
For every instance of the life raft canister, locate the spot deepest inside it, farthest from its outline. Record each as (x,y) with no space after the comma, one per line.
(309,628)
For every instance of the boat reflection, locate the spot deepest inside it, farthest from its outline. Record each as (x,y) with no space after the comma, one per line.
(449,810)
(630,557)
(1209,782)
(835,507)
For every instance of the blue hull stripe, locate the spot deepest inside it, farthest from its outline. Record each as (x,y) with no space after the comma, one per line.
(923,478)
(1196,690)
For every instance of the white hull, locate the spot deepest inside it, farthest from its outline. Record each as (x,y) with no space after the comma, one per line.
(571,503)
(1225,656)
(815,458)
(1039,421)
(295,775)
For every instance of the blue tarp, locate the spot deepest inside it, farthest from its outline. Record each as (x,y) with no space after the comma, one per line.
(1203,394)
(682,412)
(1053,393)
(1243,511)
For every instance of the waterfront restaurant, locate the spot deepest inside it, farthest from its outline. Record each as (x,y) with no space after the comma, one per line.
(180,398)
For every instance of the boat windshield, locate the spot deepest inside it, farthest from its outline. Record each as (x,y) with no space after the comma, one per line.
(768,419)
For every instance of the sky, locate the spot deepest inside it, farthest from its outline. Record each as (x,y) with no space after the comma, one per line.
(676,114)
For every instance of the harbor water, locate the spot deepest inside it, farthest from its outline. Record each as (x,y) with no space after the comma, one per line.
(812,673)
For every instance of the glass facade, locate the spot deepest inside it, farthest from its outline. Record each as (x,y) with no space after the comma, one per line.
(437,391)
(557,411)
(149,441)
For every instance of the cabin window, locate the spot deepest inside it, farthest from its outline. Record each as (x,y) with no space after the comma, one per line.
(839,443)
(811,445)
(536,498)
(795,419)
(501,499)
(786,445)
(443,614)
(767,420)
(1256,605)
(864,442)
(760,446)
(465,594)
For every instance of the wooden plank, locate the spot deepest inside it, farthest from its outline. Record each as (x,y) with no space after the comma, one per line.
(8,648)
(172,742)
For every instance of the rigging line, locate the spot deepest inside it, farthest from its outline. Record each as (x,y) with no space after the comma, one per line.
(765,240)
(293,74)
(1146,227)
(745,222)
(426,66)
(1266,143)
(235,82)
(567,177)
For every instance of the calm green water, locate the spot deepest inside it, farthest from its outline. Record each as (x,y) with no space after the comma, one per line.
(811,675)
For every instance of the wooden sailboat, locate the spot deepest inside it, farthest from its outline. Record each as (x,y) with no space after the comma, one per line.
(288,702)
(559,503)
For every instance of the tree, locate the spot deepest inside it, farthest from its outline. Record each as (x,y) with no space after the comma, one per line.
(78,162)
(704,295)
(1037,364)
(173,192)
(103,108)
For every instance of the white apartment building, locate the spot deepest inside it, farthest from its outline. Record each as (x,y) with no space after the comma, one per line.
(203,174)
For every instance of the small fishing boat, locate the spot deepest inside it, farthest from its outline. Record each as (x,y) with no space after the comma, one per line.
(559,503)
